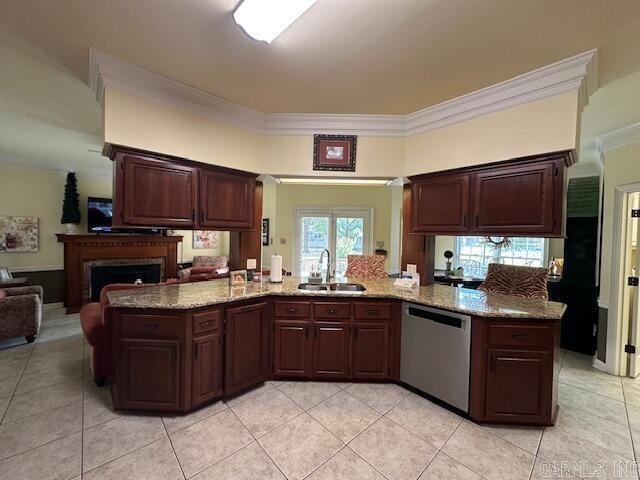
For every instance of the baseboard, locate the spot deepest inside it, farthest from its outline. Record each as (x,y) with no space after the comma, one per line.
(52,306)
(600,365)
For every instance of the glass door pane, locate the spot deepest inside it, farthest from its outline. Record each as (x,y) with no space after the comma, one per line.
(314,236)
(349,241)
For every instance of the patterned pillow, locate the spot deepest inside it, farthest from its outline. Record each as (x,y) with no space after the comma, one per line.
(528,282)
(210,261)
(366,266)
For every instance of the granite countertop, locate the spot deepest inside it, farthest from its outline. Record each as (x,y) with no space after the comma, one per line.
(473,302)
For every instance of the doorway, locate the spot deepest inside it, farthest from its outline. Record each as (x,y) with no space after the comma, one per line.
(341,230)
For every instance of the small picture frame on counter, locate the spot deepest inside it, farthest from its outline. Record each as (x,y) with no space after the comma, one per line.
(238,278)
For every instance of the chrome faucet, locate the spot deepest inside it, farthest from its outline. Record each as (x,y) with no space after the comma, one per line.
(328,277)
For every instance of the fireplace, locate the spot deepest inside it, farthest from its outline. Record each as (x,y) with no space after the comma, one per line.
(102,275)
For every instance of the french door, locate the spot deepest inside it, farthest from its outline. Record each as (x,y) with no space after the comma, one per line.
(342,231)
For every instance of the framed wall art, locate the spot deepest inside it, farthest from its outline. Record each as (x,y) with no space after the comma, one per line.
(205,239)
(18,234)
(334,152)
(265,232)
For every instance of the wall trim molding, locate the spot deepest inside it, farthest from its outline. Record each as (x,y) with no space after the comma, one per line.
(52,306)
(41,268)
(617,138)
(576,73)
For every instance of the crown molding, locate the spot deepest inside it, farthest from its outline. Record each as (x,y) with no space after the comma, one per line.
(577,73)
(619,138)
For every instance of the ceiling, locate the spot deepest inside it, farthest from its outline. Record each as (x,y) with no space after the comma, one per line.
(357,56)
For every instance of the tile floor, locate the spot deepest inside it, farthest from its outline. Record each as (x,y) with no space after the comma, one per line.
(55,424)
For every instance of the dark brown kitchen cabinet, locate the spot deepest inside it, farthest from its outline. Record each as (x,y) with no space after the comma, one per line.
(515,200)
(157,193)
(524,197)
(331,349)
(154,190)
(371,345)
(206,371)
(440,204)
(246,346)
(292,348)
(148,373)
(226,201)
(517,386)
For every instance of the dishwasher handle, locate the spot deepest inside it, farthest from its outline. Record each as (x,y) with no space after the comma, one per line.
(437,317)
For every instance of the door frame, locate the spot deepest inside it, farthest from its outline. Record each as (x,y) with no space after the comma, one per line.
(367,248)
(618,322)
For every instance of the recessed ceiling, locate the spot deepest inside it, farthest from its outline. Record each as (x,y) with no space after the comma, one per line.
(365,56)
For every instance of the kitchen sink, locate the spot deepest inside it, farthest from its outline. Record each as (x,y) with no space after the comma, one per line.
(333,287)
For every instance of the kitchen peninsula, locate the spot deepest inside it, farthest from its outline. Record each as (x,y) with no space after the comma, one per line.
(178,347)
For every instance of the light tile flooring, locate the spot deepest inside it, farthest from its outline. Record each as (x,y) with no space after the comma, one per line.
(55,424)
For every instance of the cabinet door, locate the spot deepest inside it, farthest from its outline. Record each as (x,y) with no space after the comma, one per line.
(519,386)
(513,200)
(158,193)
(246,347)
(147,376)
(441,204)
(292,348)
(371,350)
(331,343)
(226,200)
(206,382)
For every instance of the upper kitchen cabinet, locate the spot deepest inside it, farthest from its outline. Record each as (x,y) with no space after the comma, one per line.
(152,190)
(441,203)
(226,200)
(524,196)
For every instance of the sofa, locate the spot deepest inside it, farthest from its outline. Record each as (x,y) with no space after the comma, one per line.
(20,312)
(205,267)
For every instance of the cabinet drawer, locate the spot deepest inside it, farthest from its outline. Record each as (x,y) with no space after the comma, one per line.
(292,309)
(331,309)
(206,322)
(150,326)
(521,336)
(377,311)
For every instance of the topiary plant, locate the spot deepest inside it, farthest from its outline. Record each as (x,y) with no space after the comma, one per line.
(71,203)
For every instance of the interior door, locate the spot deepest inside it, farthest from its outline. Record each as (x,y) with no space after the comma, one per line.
(633,271)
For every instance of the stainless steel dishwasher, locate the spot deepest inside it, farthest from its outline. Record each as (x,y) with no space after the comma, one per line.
(436,350)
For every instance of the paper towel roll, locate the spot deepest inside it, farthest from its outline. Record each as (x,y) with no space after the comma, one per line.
(275,274)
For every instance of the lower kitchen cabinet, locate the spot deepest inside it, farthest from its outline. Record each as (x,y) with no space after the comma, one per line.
(291,348)
(331,349)
(206,371)
(514,378)
(148,374)
(246,346)
(371,345)
(517,386)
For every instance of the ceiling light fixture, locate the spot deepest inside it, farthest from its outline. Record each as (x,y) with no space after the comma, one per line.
(334,181)
(264,20)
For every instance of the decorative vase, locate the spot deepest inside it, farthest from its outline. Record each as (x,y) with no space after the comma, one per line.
(72,228)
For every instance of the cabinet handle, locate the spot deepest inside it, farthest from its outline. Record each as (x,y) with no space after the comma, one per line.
(332,311)
(355,332)
(306,332)
(464,221)
(373,312)
(205,324)
(519,336)
(292,310)
(477,221)
(248,309)
(150,325)
(195,351)
(492,364)
(193,214)
(202,216)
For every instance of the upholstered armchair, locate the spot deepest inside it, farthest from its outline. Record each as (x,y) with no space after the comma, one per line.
(205,268)
(20,312)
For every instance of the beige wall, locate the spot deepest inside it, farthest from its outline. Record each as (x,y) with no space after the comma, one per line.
(538,127)
(186,251)
(621,167)
(288,197)
(39,193)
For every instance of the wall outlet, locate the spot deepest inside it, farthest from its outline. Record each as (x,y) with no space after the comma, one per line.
(251,263)
(283,241)
(412,268)
(379,243)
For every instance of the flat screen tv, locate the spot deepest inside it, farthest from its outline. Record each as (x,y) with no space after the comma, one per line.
(99,214)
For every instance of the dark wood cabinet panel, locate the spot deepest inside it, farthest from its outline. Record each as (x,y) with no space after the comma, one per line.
(291,348)
(246,346)
(515,200)
(518,386)
(331,349)
(206,372)
(371,346)
(157,193)
(440,204)
(226,201)
(148,375)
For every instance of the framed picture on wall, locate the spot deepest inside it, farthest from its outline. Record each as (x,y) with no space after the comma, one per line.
(205,239)
(265,232)
(334,152)
(18,234)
